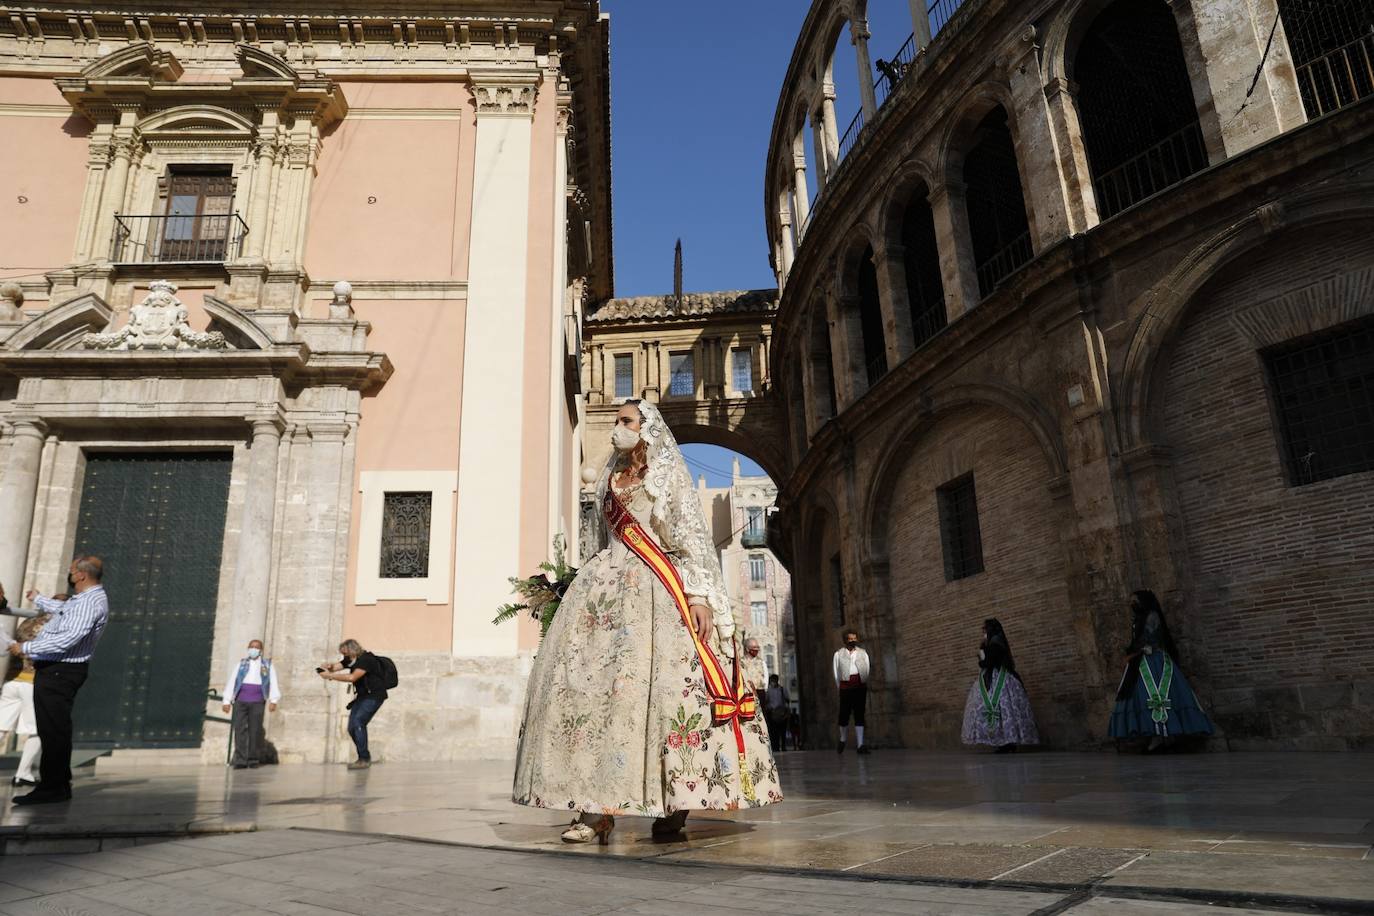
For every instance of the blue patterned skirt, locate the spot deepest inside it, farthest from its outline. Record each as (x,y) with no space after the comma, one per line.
(1131,718)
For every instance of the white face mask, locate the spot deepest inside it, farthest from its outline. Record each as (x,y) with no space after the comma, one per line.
(624,438)
(254,653)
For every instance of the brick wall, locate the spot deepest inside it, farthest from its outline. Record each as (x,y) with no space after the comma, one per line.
(1276,627)
(938,623)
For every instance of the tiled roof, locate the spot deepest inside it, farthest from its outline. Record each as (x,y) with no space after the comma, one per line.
(693,305)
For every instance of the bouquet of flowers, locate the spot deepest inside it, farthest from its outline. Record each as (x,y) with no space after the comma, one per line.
(541,594)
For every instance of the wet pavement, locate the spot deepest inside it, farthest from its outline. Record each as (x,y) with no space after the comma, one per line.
(1260,830)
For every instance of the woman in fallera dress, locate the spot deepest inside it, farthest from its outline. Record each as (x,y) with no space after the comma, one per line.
(635,703)
(998,712)
(1154,699)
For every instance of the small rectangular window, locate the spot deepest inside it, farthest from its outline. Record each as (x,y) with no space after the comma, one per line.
(837,589)
(1323,387)
(624,375)
(959,533)
(683,383)
(742,370)
(758,610)
(757,572)
(405,535)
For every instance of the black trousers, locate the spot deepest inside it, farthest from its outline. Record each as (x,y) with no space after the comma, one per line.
(777,729)
(55,685)
(852,701)
(247,725)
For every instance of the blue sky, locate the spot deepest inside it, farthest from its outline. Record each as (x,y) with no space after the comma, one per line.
(693,92)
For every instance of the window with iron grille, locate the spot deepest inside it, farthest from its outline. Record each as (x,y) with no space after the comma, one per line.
(757,570)
(624,375)
(1323,389)
(959,533)
(683,383)
(837,589)
(742,369)
(758,610)
(1332,45)
(405,535)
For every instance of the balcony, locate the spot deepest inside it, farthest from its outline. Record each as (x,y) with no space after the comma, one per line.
(203,238)
(753,539)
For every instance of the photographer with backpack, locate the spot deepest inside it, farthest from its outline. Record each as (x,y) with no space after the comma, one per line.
(371,676)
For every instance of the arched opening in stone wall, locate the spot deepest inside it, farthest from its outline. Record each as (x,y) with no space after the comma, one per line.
(871,319)
(1135,102)
(998,224)
(924,286)
(843,75)
(821,365)
(1332,46)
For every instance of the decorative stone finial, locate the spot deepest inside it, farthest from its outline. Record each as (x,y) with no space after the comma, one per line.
(159,322)
(11,298)
(342,304)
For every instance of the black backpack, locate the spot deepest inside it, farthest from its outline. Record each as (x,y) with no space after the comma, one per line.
(387,672)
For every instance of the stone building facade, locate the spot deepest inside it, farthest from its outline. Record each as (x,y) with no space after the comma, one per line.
(758,583)
(1079,303)
(273,279)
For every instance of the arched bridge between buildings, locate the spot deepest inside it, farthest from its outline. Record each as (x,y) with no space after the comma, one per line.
(703,358)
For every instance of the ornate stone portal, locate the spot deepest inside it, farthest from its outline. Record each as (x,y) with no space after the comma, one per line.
(159,322)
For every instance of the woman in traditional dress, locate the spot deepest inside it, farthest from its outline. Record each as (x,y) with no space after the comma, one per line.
(998,712)
(636,704)
(1154,698)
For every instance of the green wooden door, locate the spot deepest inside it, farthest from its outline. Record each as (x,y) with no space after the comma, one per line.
(158,522)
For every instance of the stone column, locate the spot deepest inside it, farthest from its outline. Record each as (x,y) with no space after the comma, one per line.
(789,247)
(1221,50)
(765,363)
(1073,155)
(920,24)
(122,147)
(97,168)
(858,34)
(597,370)
(1037,155)
(18,490)
(958,274)
(846,348)
(253,567)
(831,126)
(799,190)
(899,338)
(261,192)
(818,143)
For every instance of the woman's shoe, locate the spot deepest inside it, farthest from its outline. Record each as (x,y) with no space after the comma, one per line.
(671,825)
(582,832)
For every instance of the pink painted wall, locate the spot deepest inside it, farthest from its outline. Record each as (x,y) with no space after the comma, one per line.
(411,424)
(418,169)
(536,541)
(44,160)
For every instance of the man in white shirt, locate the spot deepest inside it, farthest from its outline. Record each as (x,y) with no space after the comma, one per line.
(252,685)
(851,677)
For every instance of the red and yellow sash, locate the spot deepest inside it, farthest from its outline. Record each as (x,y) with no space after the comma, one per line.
(731,703)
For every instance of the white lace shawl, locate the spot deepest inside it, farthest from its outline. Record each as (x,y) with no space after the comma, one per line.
(678,521)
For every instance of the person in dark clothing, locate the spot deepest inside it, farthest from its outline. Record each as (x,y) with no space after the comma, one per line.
(997,711)
(360,668)
(1154,698)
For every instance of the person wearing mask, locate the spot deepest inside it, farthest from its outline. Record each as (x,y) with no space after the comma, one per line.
(61,661)
(851,677)
(777,706)
(251,691)
(754,669)
(360,668)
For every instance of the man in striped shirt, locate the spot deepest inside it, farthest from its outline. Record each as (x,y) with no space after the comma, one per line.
(61,656)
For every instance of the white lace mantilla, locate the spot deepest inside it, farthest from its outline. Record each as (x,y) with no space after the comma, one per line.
(678,520)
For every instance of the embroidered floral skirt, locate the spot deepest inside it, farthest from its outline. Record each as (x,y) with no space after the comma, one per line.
(1132,716)
(617,718)
(1016,724)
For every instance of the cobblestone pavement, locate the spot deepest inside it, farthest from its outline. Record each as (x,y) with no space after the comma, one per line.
(1280,831)
(310,873)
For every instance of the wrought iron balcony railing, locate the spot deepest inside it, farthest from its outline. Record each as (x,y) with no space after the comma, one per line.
(1003,262)
(753,539)
(892,72)
(147,239)
(1160,166)
(1338,77)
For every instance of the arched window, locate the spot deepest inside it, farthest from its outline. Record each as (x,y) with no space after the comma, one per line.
(996,208)
(1135,101)
(871,319)
(1332,45)
(822,367)
(924,288)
